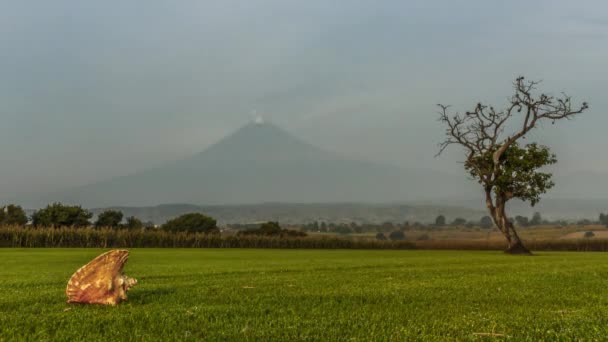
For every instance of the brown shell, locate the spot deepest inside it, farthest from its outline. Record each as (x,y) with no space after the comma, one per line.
(101,281)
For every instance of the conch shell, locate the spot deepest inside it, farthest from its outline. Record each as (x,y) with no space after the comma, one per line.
(101,281)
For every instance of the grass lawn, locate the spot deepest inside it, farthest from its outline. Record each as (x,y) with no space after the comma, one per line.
(232,294)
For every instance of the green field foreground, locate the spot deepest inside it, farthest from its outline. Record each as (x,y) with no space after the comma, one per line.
(337,295)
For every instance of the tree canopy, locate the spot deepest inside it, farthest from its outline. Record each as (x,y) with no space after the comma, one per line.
(604,219)
(192,223)
(13,215)
(133,223)
(109,218)
(519,175)
(59,215)
(536,219)
(459,221)
(397,235)
(440,220)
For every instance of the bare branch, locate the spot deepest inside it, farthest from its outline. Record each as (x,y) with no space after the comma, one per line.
(481,130)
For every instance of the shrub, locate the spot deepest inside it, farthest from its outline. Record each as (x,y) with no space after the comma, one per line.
(191,223)
(584,222)
(522,221)
(486,222)
(424,237)
(397,235)
(343,230)
(272,229)
(589,235)
(459,222)
(381,237)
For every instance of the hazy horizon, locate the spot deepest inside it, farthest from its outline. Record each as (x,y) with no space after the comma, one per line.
(92,91)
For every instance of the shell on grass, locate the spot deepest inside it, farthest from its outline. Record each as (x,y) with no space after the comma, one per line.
(101,281)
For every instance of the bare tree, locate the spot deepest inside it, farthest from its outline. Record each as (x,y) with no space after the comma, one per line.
(495,159)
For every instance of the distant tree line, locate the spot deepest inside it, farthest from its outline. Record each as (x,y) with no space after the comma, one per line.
(387,227)
(60,215)
(395,231)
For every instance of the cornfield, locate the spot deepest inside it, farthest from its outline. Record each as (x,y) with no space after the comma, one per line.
(112,238)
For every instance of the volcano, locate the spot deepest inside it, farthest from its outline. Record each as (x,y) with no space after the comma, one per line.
(262,163)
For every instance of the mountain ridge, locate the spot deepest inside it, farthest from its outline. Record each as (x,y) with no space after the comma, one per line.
(298,213)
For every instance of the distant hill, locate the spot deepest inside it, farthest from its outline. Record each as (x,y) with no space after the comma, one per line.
(262,163)
(304,213)
(550,207)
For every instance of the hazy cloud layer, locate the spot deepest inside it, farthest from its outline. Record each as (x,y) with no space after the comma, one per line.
(90,91)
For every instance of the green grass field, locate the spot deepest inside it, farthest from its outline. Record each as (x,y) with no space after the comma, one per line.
(230,294)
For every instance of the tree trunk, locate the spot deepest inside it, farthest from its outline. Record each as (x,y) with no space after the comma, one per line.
(515,245)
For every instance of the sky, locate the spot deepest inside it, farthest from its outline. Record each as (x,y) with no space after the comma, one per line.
(95,90)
